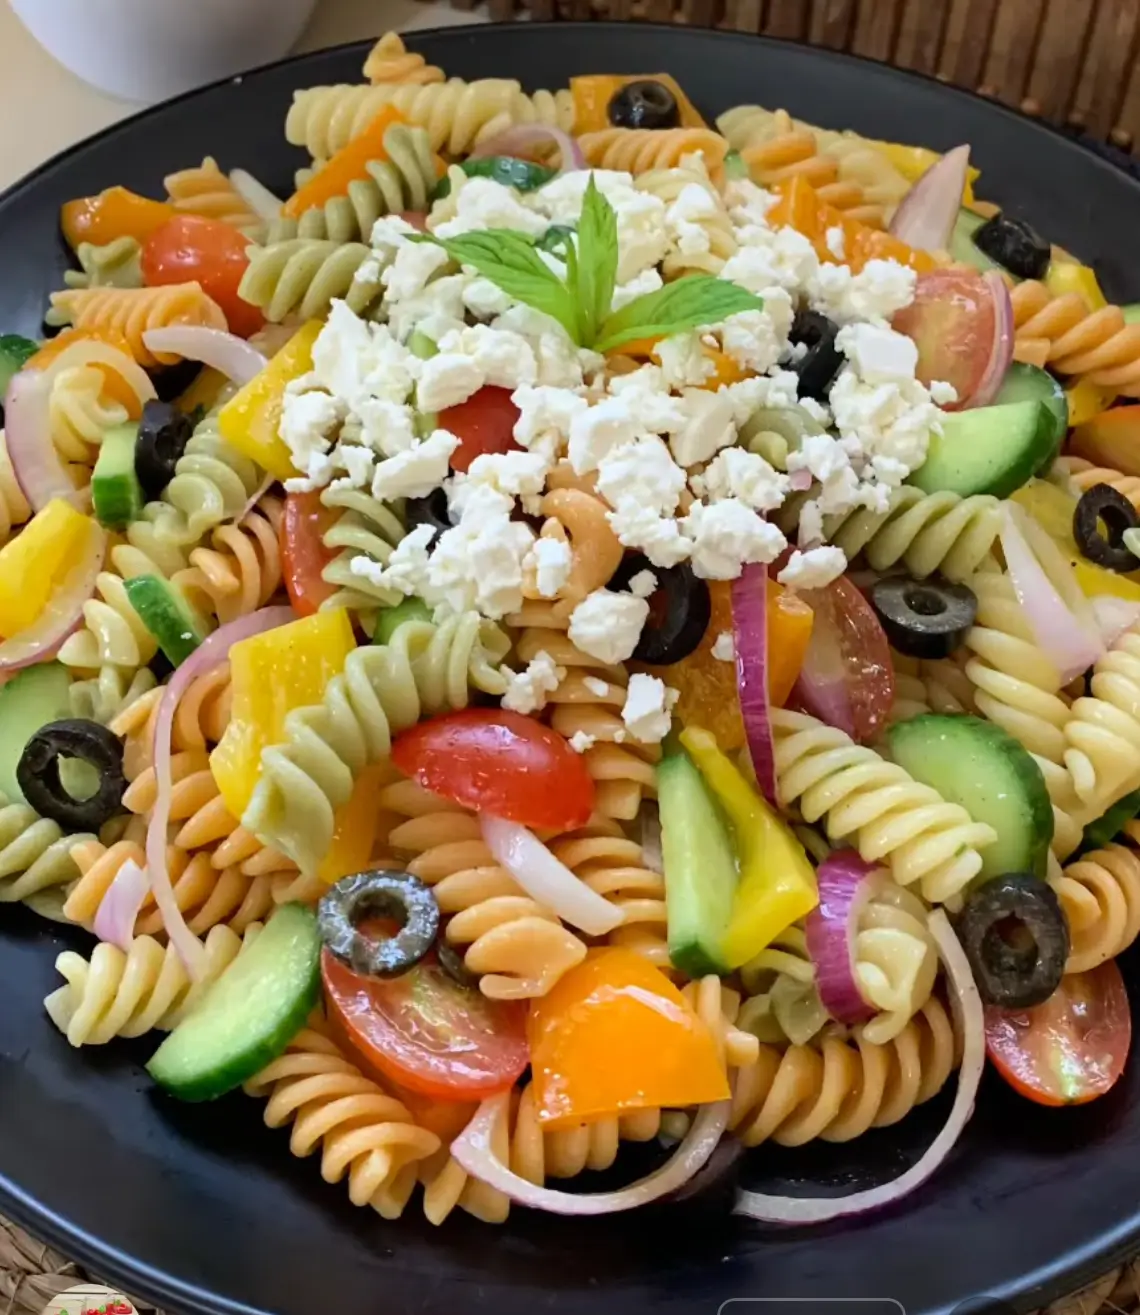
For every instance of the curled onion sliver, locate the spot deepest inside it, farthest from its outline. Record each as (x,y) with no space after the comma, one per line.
(64,612)
(119,907)
(255,497)
(971,1023)
(225,352)
(525,136)
(474,1151)
(1114,616)
(830,928)
(255,194)
(1001,353)
(546,879)
(750,624)
(208,655)
(925,219)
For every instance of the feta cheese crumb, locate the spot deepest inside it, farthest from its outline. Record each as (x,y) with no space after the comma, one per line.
(527,690)
(505,358)
(646,282)
(736,473)
(448,379)
(599,688)
(643,584)
(684,363)
(406,570)
(836,241)
(642,472)
(545,412)
(307,423)
(647,713)
(813,569)
(418,471)
(550,560)
(709,426)
(580,741)
(481,203)
(878,355)
(607,626)
(875,294)
(942,393)
(643,530)
(724,649)
(727,536)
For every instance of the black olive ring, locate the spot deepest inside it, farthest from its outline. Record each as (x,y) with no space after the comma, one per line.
(1015,972)
(1103,505)
(645,103)
(431,510)
(687,610)
(451,961)
(37,773)
(163,434)
(924,618)
(396,895)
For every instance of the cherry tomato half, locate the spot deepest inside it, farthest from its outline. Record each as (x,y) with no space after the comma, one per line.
(426,1032)
(499,762)
(953,322)
(206,251)
(484,423)
(847,678)
(303,552)
(1072,1048)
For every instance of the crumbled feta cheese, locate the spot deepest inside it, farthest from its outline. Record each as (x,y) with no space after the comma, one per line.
(560,363)
(355,360)
(684,362)
(686,219)
(434,312)
(406,570)
(727,536)
(390,233)
(735,473)
(598,688)
(412,269)
(648,399)
(307,423)
(641,529)
(418,471)
(709,426)
(772,257)
(836,241)
(595,432)
(875,294)
(724,648)
(527,690)
(481,203)
(358,463)
(942,393)
(649,280)
(643,584)
(504,358)
(878,355)
(607,626)
(550,560)
(643,237)
(517,474)
(387,427)
(752,340)
(647,711)
(580,742)
(447,380)
(890,422)
(813,569)
(642,472)
(485,299)
(544,412)
(478,565)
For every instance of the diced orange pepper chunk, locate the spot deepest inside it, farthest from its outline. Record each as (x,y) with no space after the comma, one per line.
(346,166)
(114,213)
(615,1034)
(1110,439)
(800,207)
(114,384)
(592,94)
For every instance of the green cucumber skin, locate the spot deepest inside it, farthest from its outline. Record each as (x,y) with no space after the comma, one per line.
(15,352)
(1024,383)
(182,1065)
(962,245)
(33,698)
(390,619)
(116,493)
(955,755)
(166,615)
(994,450)
(1104,830)
(700,867)
(1132,313)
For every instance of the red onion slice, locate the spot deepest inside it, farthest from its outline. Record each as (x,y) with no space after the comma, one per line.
(925,219)
(119,907)
(968,1006)
(255,194)
(225,352)
(1114,616)
(474,1151)
(1001,355)
(62,616)
(750,626)
(208,655)
(1069,645)
(546,879)
(526,136)
(844,888)
(255,497)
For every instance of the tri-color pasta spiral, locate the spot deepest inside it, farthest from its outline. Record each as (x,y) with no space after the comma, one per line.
(1102,733)
(390,60)
(206,191)
(35,855)
(80,413)
(1085,475)
(132,311)
(240,570)
(1064,334)
(927,685)
(303,276)
(113,264)
(715,239)
(1100,897)
(367,530)
(639,150)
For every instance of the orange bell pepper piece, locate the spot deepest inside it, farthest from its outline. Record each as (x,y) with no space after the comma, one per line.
(1110,439)
(346,166)
(113,213)
(790,621)
(614,1035)
(592,95)
(800,207)
(114,384)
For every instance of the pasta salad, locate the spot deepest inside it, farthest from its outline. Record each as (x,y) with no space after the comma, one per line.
(579,625)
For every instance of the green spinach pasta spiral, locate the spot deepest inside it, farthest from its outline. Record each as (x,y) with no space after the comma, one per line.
(35,856)
(303,276)
(367,530)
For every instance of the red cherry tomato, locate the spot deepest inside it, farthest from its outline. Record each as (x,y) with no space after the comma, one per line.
(953,322)
(427,1032)
(499,762)
(1071,1049)
(417,219)
(192,249)
(303,552)
(484,423)
(847,678)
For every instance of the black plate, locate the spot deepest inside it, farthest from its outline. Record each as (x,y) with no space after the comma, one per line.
(202,1209)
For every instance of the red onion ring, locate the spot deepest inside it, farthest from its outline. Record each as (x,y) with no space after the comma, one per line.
(119,907)
(524,136)
(208,655)
(225,352)
(474,1151)
(925,219)
(971,1021)
(844,888)
(750,624)
(1001,355)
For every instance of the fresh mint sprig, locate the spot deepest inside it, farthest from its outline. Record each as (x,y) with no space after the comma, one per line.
(581,301)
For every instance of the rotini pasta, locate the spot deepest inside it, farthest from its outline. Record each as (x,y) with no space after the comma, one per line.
(639,150)
(241,569)
(367,531)
(14,507)
(35,858)
(1102,733)
(112,264)
(1100,897)
(694,204)
(132,311)
(79,414)
(390,60)
(1063,333)
(303,276)
(1085,475)
(206,191)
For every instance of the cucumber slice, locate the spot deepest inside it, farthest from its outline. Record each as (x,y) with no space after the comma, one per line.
(164,611)
(249,1015)
(1131,313)
(15,353)
(419,344)
(994,449)
(390,619)
(1105,829)
(522,175)
(1026,383)
(976,764)
(962,246)
(33,698)
(700,867)
(116,493)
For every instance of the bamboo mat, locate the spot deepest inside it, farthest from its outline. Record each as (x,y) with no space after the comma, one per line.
(31,1274)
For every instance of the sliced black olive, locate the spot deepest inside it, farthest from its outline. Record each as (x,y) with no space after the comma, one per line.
(645,104)
(451,961)
(173,380)
(1015,245)
(821,363)
(164,432)
(924,618)
(395,895)
(1101,506)
(37,773)
(1017,940)
(679,610)
(431,510)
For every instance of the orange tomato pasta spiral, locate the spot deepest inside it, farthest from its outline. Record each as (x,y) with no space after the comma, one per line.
(206,191)
(132,311)
(1086,475)
(361,1131)
(637,150)
(241,570)
(390,60)
(1064,334)
(1100,897)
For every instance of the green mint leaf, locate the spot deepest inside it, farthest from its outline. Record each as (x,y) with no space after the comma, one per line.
(686,304)
(597,262)
(509,260)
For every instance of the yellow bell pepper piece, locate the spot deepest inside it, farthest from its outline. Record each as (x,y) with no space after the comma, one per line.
(272,674)
(1052,508)
(1067,276)
(1087,401)
(913,161)
(36,560)
(777,881)
(251,420)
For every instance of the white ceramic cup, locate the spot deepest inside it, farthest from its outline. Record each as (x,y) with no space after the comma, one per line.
(148,50)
